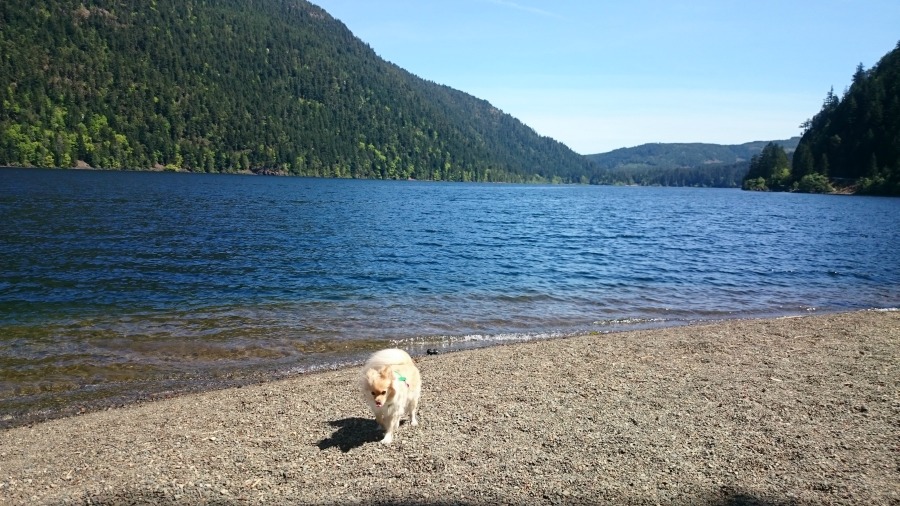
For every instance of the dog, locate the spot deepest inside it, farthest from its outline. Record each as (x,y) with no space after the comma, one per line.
(391,385)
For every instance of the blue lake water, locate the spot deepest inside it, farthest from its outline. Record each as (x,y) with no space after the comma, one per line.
(118,285)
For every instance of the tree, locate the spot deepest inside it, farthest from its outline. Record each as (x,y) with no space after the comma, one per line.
(803,163)
(771,167)
(855,139)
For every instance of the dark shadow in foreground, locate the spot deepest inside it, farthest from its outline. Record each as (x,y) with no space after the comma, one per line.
(352,433)
(159,498)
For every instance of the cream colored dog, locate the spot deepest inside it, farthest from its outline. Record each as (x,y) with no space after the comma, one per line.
(391,385)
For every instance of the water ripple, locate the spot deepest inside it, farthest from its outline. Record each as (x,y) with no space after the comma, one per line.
(117,283)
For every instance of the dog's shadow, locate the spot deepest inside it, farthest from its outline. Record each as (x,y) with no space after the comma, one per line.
(352,433)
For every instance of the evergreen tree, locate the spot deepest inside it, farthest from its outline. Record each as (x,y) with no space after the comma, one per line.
(803,162)
(857,138)
(769,170)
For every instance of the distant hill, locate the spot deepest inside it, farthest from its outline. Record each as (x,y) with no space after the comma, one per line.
(268,86)
(680,164)
(683,155)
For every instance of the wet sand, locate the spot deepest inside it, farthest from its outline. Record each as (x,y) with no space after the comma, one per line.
(780,411)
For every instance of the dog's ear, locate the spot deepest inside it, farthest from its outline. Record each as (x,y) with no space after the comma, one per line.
(372,375)
(387,373)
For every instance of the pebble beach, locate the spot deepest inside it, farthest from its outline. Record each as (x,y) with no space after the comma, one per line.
(796,410)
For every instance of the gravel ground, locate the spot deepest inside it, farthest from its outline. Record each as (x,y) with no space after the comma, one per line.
(782,411)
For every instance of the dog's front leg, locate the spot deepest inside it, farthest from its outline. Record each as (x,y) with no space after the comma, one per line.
(414,405)
(389,427)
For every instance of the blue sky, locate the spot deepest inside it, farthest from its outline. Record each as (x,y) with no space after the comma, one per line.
(599,75)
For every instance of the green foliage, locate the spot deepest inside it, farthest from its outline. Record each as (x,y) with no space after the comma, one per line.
(857,137)
(878,185)
(269,86)
(814,183)
(772,167)
(755,184)
(803,164)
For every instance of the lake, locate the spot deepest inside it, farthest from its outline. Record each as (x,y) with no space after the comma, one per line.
(118,286)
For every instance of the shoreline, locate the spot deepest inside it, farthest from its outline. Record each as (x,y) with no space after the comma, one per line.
(791,410)
(75,404)
(40,411)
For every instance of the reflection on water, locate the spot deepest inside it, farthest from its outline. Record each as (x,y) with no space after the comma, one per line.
(120,285)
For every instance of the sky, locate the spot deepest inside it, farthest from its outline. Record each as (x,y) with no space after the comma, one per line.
(598,75)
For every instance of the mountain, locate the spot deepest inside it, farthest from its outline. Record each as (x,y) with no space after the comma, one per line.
(680,164)
(683,155)
(268,86)
(856,138)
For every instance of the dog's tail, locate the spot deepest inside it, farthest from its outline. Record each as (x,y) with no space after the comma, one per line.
(392,356)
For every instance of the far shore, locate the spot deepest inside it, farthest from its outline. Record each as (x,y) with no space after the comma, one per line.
(795,410)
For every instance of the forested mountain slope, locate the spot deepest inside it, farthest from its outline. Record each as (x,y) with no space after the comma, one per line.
(226,85)
(857,137)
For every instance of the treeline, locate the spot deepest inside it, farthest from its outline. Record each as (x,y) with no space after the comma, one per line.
(711,176)
(271,86)
(853,141)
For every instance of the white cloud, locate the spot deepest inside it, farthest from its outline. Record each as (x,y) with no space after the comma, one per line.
(533,10)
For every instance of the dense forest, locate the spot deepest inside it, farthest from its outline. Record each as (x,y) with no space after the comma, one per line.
(712,176)
(279,86)
(853,142)
(269,86)
(680,164)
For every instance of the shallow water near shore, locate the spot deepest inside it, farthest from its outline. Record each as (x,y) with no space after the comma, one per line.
(118,285)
